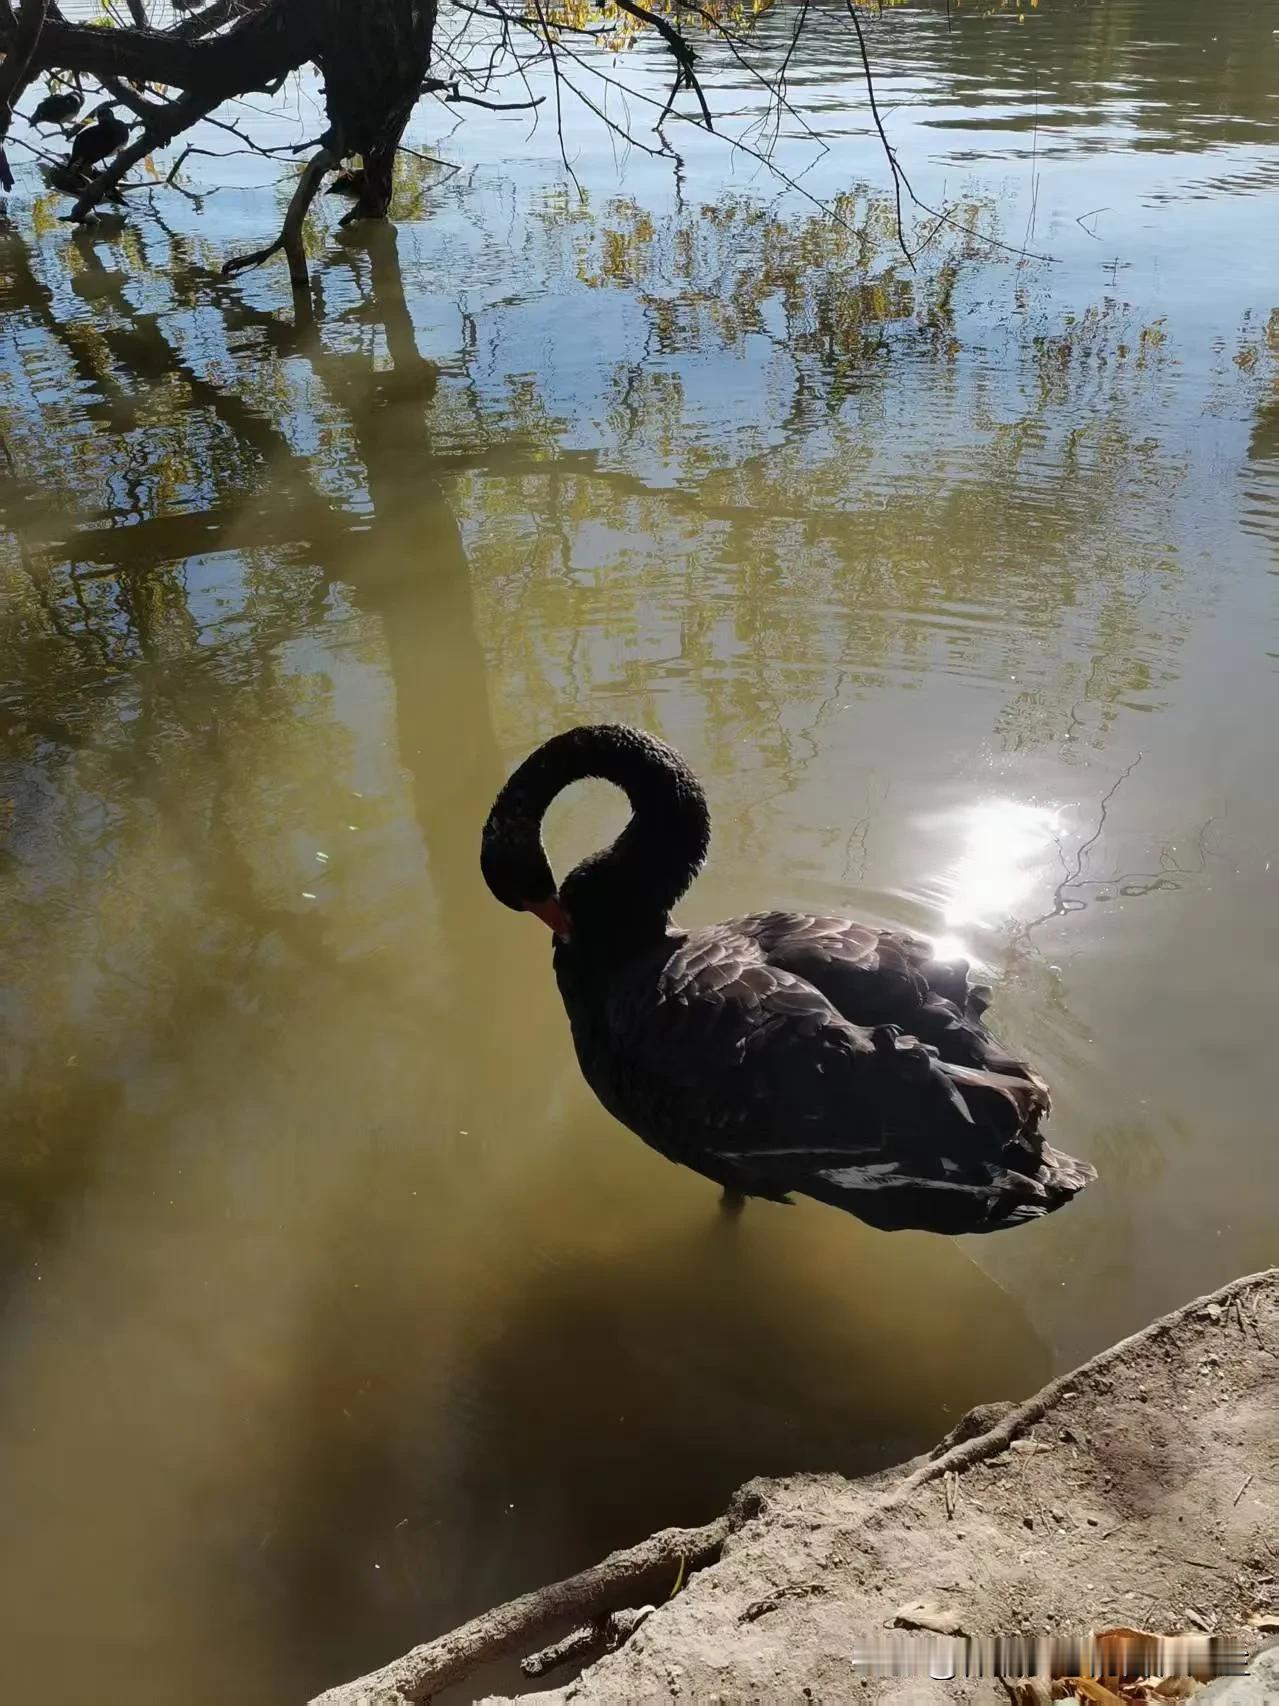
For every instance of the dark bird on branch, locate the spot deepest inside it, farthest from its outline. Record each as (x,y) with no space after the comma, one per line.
(778,1052)
(98,141)
(58,109)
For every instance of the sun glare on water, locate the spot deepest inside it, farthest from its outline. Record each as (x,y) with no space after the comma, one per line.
(1002,845)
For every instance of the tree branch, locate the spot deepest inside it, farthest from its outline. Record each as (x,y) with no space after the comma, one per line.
(899,177)
(681,51)
(902,182)
(291,239)
(16,73)
(271,40)
(164,124)
(456,99)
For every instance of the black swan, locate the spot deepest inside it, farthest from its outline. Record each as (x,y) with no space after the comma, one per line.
(777,1052)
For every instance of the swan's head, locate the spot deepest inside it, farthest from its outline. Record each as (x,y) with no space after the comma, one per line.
(515,867)
(624,893)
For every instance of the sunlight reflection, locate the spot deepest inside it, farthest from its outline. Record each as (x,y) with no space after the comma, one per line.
(1001,853)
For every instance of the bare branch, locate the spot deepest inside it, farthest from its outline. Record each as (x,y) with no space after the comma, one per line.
(559,111)
(164,125)
(264,42)
(902,182)
(291,238)
(900,179)
(680,50)
(456,99)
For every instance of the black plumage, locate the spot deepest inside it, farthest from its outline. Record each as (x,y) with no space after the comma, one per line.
(778,1052)
(99,140)
(58,109)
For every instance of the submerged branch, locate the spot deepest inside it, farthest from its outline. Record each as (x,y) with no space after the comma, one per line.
(291,239)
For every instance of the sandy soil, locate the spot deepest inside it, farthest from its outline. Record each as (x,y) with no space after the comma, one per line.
(1143,1490)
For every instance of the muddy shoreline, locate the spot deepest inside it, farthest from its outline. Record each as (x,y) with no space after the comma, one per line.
(1142,1489)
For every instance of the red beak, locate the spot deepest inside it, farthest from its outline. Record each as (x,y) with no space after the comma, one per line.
(552,915)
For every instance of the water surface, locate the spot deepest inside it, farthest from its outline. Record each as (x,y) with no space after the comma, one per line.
(334,1309)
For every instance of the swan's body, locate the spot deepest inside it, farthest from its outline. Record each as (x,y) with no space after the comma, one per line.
(777,1052)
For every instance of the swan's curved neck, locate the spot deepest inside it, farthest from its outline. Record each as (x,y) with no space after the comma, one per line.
(629,888)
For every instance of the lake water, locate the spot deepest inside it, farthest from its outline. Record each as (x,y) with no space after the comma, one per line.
(334,1309)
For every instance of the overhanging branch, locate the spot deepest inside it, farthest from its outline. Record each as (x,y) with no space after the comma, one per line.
(269,41)
(16,71)
(681,51)
(161,128)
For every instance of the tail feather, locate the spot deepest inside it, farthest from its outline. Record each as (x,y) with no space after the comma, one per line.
(961,1149)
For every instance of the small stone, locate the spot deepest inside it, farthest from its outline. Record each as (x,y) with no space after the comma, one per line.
(1028,1521)
(1059,1515)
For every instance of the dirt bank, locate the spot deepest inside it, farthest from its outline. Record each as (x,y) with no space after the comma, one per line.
(1141,1490)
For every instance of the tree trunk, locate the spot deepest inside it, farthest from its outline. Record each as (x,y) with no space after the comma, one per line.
(373,56)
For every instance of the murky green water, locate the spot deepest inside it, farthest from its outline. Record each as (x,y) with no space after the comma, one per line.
(334,1308)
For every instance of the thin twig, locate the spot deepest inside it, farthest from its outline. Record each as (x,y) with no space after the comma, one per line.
(900,179)
(681,51)
(902,182)
(1070,878)
(559,111)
